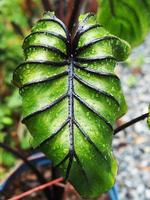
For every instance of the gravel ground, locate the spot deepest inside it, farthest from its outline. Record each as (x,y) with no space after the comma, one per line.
(132,146)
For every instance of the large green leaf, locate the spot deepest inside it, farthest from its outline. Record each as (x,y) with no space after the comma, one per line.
(129,20)
(72,97)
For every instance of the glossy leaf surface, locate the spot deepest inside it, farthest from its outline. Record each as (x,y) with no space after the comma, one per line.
(72,97)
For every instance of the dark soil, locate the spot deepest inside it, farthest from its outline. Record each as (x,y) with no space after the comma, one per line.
(27,180)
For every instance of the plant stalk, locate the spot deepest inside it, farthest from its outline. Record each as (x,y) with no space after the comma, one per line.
(46,5)
(74,15)
(130,123)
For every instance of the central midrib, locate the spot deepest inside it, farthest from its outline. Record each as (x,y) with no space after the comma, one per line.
(71,107)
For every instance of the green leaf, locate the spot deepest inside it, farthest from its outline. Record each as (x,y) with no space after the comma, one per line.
(7,9)
(128,20)
(7,121)
(72,98)
(7,159)
(24,140)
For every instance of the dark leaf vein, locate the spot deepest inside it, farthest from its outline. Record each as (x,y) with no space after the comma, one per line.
(95,89)
(93,110)
(45,108)
(90,141)
(45,80)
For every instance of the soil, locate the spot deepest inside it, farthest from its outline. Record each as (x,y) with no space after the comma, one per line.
(27,180)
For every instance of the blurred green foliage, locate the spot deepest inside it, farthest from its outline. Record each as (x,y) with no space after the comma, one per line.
(129,20)
(16,19)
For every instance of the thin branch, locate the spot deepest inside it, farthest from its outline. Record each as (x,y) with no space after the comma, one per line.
(130,123)
(58,190)
(65,7)
(92,6)
(60,14)
(17,29)
(28,7)
(68,12)
(46,5)
(29,164)
(36,189)
(74,15)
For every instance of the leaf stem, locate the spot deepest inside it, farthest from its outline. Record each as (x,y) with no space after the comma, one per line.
(17,29)
(130,123)
(74,15)
(46,5)
(36,189)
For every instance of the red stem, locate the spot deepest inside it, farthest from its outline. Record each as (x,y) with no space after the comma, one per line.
(36,189)
(74,15)
(46,5)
